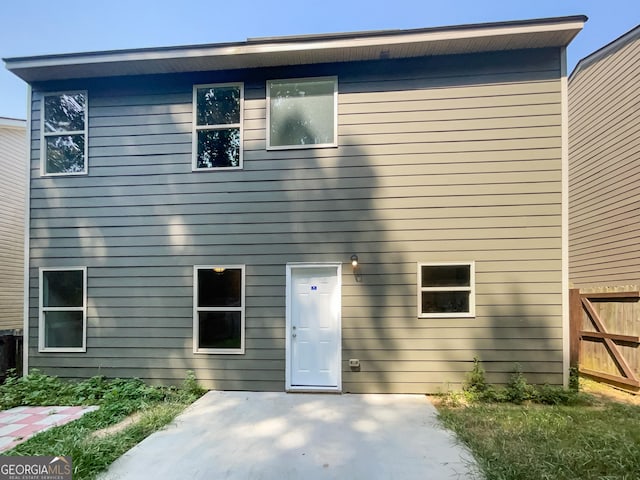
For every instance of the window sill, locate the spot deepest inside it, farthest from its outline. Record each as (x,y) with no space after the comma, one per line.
(74,174)
(63,350)
(446,315)
(302,147)
(223,351)
(216,169)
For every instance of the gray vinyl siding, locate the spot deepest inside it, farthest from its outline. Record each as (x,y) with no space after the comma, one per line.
(439,159)
(13,157)
(604,147)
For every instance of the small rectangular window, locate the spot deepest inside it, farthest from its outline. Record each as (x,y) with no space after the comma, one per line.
(217,123)
(63,309)
(218,312)
(302,113)
(446,289)
(64,133)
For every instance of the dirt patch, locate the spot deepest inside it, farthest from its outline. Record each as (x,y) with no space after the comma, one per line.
(603,391)
(118,427)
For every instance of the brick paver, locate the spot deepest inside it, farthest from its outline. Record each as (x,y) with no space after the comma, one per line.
(21,423)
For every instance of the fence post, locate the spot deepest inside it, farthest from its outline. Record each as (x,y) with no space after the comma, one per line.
(575,326)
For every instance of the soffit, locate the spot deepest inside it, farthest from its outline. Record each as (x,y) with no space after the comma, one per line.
(302,50)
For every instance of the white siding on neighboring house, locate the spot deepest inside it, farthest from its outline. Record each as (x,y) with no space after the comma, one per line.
(12,217)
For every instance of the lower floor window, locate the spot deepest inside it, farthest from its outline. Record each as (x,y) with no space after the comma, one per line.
(63,312)
(218,322)
(446,289)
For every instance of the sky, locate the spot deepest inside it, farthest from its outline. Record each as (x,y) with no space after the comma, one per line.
(43,27)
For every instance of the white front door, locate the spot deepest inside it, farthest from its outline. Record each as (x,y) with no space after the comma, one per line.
(313,327)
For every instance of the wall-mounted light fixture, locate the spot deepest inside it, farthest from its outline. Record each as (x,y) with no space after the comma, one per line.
(354,261)
(219,269)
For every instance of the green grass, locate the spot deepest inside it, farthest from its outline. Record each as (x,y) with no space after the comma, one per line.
(559,442)
(117,399)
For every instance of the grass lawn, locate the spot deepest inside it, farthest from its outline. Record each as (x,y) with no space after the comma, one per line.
(599,438)
(118,399)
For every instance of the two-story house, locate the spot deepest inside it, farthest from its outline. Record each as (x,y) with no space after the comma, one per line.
(355,212)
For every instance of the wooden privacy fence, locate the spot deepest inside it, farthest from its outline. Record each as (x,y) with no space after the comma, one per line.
(605,334)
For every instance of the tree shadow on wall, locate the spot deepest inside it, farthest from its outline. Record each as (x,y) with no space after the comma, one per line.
(330,203)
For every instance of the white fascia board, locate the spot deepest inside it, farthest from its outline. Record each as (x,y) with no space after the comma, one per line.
(12,123)
(259,49)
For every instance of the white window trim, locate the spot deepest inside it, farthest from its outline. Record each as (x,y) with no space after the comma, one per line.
(333,144)
(196,127)
(471,289)
(44,134)
(43,309)
(196,309)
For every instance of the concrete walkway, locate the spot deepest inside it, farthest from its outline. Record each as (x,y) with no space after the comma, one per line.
(250,435)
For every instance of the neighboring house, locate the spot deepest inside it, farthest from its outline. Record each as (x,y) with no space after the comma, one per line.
(604,171)
(202,208)
(13,188)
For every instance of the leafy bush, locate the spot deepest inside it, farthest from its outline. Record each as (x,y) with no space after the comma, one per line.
(119,396)
(91,390)
(34,389)
(550,395)
(553,395)
(476,382)
(518,390)
(574,379)
(190,386)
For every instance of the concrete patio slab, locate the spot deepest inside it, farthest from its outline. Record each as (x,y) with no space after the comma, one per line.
(251,435)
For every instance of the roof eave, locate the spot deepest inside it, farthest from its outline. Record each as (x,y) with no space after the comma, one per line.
(606,50)
(7,122)
(556,32)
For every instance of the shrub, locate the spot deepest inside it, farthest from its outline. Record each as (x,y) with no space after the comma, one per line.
(132,389)
(553,395)
(91,390)
(34,389)
(190,386)
(119,396)
(550,395)
(518,390)
(476,382)
(574,379)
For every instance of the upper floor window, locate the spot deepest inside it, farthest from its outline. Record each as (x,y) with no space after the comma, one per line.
(217,135)
(446,289)
(302,113)
(64,133)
